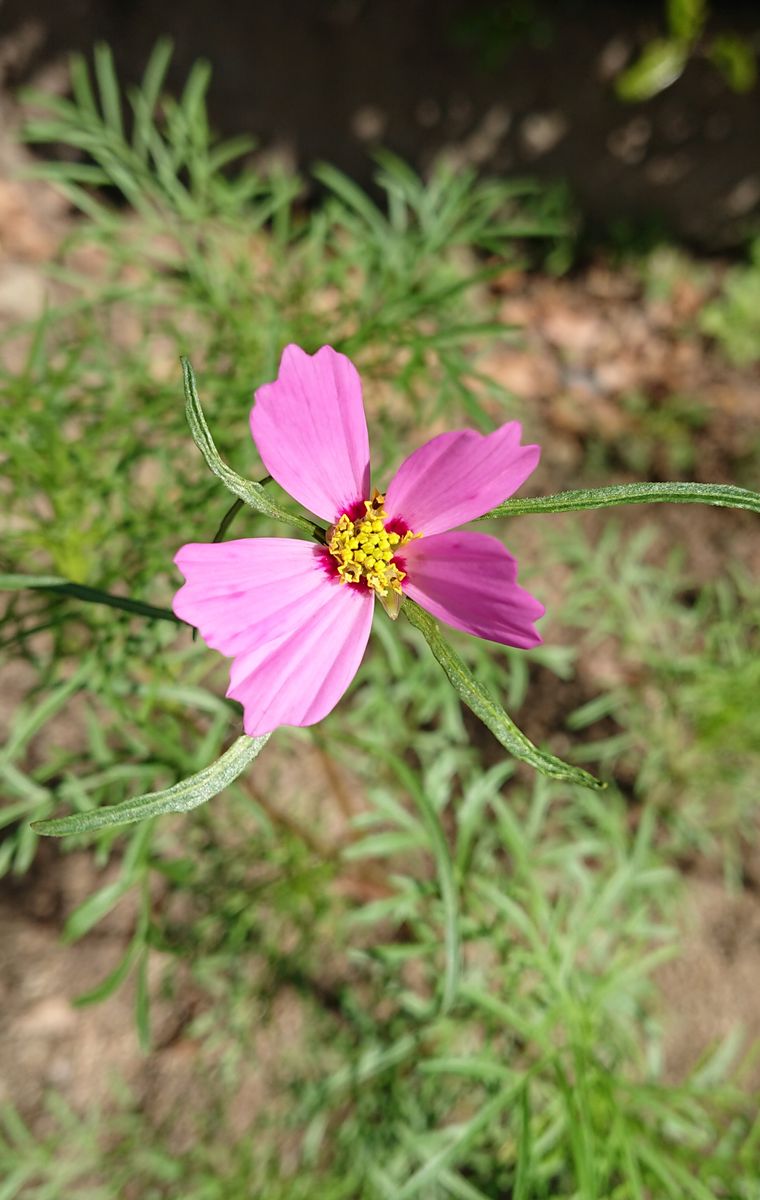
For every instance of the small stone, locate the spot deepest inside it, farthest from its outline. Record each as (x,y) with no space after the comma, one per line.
(368,123)
(628,142)
(540,132)
(23,291)
(51,1017)
(614,56)
(667,169)
(744,197)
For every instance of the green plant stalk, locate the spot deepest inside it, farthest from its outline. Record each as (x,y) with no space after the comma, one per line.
(493,716)
(720,494)
(439,848)
(79,591)
(181,797)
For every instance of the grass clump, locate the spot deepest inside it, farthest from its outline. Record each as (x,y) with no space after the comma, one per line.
(732,317)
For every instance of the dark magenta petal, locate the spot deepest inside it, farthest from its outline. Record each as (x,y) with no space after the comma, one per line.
(469,580)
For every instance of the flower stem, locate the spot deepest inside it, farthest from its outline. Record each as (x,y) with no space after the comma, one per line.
(720,494)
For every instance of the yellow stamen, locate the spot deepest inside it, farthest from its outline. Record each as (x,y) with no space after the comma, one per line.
(364,550)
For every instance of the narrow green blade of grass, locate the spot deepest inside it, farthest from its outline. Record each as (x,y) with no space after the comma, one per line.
(522,1174)
(448,1155)
(493,716)
(112,981)
(455,1185)
(181,797)
(145,98)
(28,721)
(108,86)
(439,849)
(79,591)
(720,494)
(373,1062)
(16,583)
(247,490)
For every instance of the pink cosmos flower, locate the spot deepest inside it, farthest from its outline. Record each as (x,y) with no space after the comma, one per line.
(295,616)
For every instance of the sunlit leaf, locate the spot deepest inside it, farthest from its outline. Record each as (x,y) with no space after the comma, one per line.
(719,494)
(661,63)
(181,797)
(736,60)
(488,710)
(686,18)
(79,591)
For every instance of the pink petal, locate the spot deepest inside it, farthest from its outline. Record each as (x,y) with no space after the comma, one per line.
(469,580)
(457,477)
(311,433)
(295,634)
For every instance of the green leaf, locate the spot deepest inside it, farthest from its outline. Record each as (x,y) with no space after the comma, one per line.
(112,981)
(522,1187)
(371,1063)
(660,64)
(736,61)
(17,583)
(455,1148)
(108,86)
(79,591)
(81,87)
(95,907)
(439,848)
(29,721)
(183,796)
(454,1185)
(493,716)
(720,494)
(381,845)
(145,98)
(686,18)
(251,493)
(142,1002)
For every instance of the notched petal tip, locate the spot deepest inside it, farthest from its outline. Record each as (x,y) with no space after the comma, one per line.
(457,477)
(311,432)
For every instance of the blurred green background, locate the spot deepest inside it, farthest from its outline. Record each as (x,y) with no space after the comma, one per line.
(245,1001)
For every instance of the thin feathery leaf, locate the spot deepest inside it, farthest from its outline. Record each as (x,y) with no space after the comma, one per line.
(250,493)
(722,495)
(493,716)
(181,797)
(79,591)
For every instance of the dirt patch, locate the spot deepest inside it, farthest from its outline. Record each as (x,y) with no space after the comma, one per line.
(48,1044)
(85,1054)
(711,991)
(609,363)
(525,88)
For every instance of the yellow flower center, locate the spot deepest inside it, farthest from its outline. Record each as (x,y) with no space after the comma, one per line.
(364,552)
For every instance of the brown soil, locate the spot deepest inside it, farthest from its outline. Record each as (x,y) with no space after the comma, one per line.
(526,88)
(712,990)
